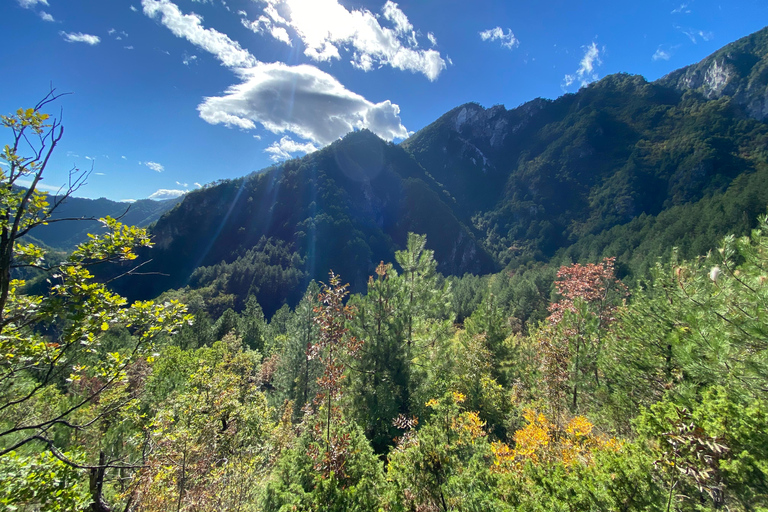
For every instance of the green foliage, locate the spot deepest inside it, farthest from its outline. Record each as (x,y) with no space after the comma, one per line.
(296,484)
(714,453)
(382,385)
(43,482)
(401,318)
(701,319)
(63,378)
(211,434)
(443,466)
(296,375)
(615,480)
(270,272)
(344,474)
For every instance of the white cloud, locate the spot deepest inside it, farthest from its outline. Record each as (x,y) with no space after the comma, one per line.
(41,186)
(154,166)
(29,4)
(587,67)
(694,34)
(165,193)
(197,185)
(185,185)
(130,47)
(507,40)
(683,9)
(123,157)
(46,17)
(432,38)
(118,34)
(325,26)
(661,54)
(302,100)
(189,26)
(264,25)
(281,34)
(393,13)
(99,174)
(79,37)
(127,201)
(188,59)
(134,9)
(286,148)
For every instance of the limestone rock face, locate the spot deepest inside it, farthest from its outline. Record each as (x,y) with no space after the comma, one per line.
(738,70)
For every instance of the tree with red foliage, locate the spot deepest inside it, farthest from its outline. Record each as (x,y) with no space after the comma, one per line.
(577,324)
(332,348)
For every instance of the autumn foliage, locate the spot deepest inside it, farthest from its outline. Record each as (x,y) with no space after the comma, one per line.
(572,337)
(333,347)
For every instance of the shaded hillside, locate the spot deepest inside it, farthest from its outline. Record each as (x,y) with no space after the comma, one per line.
(345,208)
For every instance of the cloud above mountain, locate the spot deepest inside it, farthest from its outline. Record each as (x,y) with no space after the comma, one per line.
(327,28)
(287,148)
(302,99)
(588,65)
(165,193)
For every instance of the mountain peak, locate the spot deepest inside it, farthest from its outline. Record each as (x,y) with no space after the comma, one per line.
(738,70)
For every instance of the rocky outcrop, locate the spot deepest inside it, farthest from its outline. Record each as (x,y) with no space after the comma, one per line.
(738,70)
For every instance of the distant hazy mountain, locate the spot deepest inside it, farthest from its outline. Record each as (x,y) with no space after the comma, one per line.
(624,167)
(66,235)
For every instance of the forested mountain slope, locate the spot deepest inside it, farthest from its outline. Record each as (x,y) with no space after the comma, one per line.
(345,208)
(738,70)
(540,177)
(622,168)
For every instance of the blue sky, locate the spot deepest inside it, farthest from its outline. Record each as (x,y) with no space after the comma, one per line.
(169,95)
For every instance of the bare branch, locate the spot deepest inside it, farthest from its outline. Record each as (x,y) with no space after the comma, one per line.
(133,272)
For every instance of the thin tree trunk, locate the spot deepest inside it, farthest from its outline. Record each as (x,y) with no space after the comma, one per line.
(576,375)
(97,485)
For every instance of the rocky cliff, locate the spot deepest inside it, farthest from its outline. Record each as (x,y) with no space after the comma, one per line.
(738,70)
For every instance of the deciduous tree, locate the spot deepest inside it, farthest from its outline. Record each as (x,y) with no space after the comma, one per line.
(56,380)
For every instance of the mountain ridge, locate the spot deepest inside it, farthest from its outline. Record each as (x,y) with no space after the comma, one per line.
(491,188)
(738,70)
(344,208)
(66,235)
